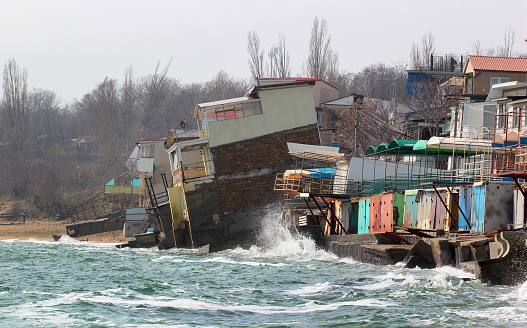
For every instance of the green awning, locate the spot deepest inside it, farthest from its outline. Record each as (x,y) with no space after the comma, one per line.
(420,145)
(370,151)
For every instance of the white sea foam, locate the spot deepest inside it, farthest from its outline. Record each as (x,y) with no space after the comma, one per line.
(455,272)
(311,289)
(196,305)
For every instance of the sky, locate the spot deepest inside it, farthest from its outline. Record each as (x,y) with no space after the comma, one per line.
(69,46)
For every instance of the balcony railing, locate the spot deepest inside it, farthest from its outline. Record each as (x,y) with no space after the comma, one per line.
(186,172)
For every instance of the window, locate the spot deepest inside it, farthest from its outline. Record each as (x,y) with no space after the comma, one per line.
(497,80)
(147,150)
(238,110)
(501,115)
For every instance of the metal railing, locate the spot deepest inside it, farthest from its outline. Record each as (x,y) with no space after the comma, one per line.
(186,172)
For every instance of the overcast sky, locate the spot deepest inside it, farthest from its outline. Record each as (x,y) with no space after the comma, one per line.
(70,46)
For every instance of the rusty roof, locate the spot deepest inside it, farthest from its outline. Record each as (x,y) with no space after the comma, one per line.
(507,64)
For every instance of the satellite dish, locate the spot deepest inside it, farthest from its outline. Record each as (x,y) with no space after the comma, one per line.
(183,124)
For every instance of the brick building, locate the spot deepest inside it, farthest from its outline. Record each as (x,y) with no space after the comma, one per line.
(223,181)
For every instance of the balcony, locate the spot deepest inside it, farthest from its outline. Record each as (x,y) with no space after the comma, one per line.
(188,172)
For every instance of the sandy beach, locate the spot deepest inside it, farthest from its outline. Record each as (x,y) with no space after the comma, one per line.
(44,230)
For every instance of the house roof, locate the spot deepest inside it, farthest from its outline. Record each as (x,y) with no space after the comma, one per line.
(297,79)
(498,63)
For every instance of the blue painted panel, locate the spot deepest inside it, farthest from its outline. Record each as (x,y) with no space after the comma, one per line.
(364,216)
(465,205)
(478,209)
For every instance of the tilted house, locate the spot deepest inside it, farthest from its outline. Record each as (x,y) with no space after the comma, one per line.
(224,180)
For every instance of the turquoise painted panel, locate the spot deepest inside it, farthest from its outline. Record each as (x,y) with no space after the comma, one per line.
(478,209)
(364,216)
(465,206)
(410,211)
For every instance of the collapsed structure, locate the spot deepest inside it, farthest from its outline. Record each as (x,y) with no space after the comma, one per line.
(223,180)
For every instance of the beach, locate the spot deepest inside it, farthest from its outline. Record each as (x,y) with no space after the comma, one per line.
(44,230)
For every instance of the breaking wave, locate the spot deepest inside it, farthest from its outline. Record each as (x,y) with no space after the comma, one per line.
(277,240)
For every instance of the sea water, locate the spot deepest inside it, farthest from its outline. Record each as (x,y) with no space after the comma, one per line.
(285,281)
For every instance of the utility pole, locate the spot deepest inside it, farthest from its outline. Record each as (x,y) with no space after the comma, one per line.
(356,127)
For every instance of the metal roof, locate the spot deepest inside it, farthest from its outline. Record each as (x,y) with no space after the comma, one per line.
(507,64)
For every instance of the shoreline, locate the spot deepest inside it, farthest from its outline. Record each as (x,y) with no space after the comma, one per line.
(44,230)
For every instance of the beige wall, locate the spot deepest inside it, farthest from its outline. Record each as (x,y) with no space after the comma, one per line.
(481,83)
(283,109)
(322,93)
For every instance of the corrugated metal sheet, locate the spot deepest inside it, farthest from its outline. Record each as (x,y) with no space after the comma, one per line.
(424,211)
(478,208)
(498,63)
(410,209)
(387,213)
(375,214)
(519,209)
(439,213)
(354,217)
(398,203)
(364,215)
(465,205)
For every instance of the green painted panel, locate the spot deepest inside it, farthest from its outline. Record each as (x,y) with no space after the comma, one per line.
(398,203)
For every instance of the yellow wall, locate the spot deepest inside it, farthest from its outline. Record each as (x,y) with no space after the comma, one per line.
(283,109)
(177,207)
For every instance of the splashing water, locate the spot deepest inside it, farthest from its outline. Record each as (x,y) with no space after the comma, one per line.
(276,239)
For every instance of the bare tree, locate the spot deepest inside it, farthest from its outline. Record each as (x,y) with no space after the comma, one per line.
(255,55)
(282,58)
(15,118)
(415,56)
(508,43)
(366,122)
(427,47)
(420,55)
(321,61)
(16,153)
(476,48)
(429,105)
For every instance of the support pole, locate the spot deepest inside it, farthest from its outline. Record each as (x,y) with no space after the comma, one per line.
(334,216)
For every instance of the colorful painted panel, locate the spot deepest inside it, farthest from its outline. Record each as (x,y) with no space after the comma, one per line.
(478,208)
(465,207)
(398,204)
(410,209)
(387,212)
(364,216)
(375,214)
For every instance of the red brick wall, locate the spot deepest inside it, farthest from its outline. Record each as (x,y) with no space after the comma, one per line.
(249,158)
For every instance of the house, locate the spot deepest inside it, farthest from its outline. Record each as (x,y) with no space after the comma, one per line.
(223,181)
(322,90)
(438,70)
(482,72)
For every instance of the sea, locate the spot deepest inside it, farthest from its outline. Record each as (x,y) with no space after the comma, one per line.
(284,280)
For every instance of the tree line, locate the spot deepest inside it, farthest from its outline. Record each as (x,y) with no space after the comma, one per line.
(49,149)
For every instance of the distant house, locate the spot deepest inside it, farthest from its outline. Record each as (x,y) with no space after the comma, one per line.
(482,72)
(439,69)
